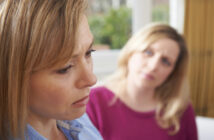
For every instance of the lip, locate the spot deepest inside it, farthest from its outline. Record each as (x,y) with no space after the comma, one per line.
(148,76)
(82,102)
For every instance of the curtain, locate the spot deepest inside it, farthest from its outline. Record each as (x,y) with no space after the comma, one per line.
(199,34)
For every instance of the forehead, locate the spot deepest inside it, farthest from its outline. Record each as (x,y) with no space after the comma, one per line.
(166,47)
(84,39)
(84,36)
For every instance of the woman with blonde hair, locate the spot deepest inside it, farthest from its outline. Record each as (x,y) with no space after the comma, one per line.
(144,98)
(45,70)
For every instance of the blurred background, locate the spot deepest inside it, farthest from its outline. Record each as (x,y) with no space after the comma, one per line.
(113,22)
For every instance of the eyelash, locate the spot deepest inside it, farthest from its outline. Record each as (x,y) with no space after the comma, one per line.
(88,53)
(64,70)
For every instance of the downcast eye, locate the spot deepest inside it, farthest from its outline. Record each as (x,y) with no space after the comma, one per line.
(64,70)
(89,52)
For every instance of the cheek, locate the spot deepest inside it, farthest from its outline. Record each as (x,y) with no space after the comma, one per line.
(131,69)
(133,63)
(56,95)
(48,93)
(165,74)
(90,65)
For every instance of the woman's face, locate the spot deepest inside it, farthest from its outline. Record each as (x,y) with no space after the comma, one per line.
(62,93)
(150,68)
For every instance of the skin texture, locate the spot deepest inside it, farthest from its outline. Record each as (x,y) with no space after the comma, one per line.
(62,93)
(146,71)
(150,68)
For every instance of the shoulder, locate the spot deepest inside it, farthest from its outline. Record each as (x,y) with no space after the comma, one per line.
(89,131)
(32,134)
(189,111)
(100,89)
(99,104)
(188,123)
(101,93)
(188,118)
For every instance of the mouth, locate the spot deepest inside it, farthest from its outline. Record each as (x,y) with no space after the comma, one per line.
(148,76)
(82,102)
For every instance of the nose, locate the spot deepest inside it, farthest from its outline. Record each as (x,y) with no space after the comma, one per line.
(86,76)
(153,64)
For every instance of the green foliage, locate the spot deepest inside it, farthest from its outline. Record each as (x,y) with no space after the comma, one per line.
(113,28)
(160,13)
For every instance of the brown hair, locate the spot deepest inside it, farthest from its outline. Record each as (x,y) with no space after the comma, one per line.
(34,34)
(171,98)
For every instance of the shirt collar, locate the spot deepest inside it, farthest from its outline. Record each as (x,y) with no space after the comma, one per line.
(72,128)
(32,134)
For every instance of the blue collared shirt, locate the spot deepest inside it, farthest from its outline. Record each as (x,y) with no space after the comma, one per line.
(79,129)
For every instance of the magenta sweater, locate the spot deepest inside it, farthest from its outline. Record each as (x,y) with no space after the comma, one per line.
(118,122)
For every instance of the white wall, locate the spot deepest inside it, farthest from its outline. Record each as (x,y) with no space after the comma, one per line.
(176,14)
(205,128)
(141,13)
(105,62)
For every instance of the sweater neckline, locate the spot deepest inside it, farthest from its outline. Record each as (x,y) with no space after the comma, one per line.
(145,114)
(130,111)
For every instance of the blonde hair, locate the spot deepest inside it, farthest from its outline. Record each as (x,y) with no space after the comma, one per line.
(172,100)
(34,34)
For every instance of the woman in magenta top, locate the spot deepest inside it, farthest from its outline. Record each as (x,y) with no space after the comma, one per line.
(146,97)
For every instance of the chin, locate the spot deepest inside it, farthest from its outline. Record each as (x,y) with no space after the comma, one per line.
(72,117)
(75,114)
(79,115)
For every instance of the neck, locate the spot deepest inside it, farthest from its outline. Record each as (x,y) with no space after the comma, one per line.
(46,127)
(139,99)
